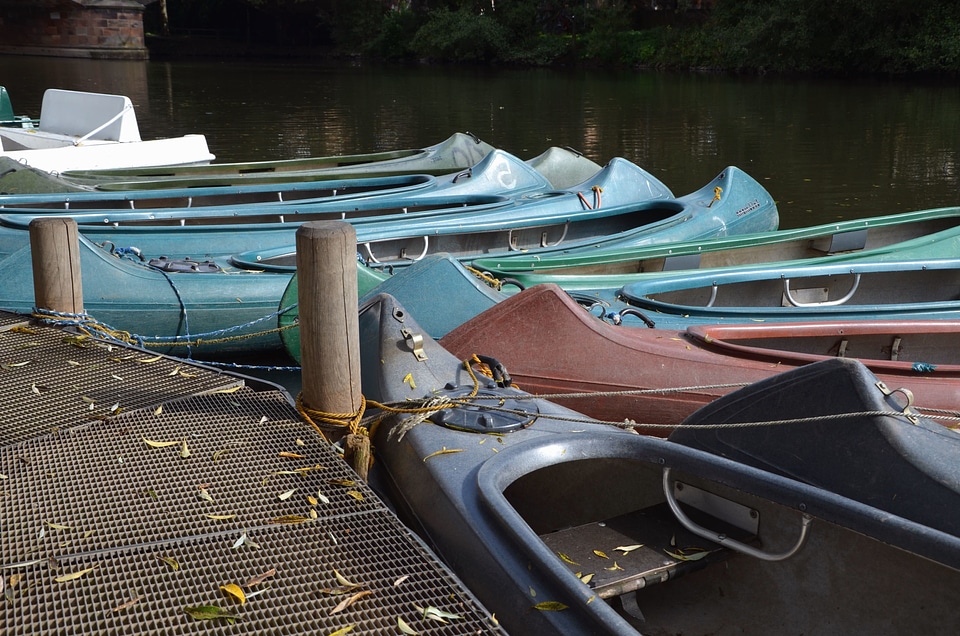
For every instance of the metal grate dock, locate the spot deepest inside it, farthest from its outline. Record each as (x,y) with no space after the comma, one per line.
(169,530)
(52,379)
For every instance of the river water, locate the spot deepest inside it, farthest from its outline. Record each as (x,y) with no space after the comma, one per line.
(825,149)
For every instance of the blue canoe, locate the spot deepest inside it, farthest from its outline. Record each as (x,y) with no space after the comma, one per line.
(496,173)
(745,207)
(562,525)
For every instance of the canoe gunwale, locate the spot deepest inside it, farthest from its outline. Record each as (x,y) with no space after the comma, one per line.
(723,337)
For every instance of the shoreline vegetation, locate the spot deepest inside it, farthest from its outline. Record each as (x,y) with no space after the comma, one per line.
(895,38)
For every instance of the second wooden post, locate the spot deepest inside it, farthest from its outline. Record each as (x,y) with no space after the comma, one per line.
(55,254)
(329,325)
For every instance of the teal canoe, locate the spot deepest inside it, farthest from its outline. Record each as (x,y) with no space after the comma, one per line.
(209,311)
(871,237)
(854,290)
(922,234)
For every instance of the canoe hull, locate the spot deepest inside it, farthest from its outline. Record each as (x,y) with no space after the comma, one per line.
(790,292)
(216,314)
(672,373)
(457,152)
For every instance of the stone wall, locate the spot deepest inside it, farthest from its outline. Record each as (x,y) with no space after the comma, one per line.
(101,29)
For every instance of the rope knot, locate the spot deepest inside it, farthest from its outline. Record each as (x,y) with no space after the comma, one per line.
(429,407)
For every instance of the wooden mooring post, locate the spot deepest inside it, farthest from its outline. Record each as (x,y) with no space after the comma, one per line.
(330,328)
(55,255)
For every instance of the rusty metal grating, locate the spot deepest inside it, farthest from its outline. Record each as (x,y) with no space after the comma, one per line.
(369,549)
(49,379)
(93,493)
(69,503)
(8,319)
(113,489)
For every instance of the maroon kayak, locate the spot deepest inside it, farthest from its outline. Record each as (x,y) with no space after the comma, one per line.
(549,344)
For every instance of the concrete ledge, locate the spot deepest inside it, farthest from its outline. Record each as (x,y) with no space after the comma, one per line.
(93,52)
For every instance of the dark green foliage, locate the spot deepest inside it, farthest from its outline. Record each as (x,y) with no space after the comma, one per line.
(461,36)
(811,36)
(625,48)
(392,42)
(355,25)
(862,36)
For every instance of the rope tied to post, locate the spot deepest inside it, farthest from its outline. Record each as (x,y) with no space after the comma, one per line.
(86,325)
(421,411)
(348,421)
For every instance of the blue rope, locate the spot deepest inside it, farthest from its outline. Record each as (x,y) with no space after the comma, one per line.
(221,332)
(63,319)
(84,320)
(237,365)
(134,254)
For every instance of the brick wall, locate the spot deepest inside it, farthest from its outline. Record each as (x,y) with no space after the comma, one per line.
(80,28)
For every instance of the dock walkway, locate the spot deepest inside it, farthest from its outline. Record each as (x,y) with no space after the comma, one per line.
(136,490)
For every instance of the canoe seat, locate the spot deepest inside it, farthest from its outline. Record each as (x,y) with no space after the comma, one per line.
(679,262)
(842,242)
(668,549)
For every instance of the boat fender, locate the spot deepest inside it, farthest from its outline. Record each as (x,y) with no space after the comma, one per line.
(500,375)
(185,265)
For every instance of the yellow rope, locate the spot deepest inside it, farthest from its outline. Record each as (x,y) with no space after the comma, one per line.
(98,329)
(353,421)
(487,278)
(349,421)
(716,196)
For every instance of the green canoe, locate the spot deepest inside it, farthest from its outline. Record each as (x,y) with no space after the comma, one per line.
(459,151)
(456,294)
